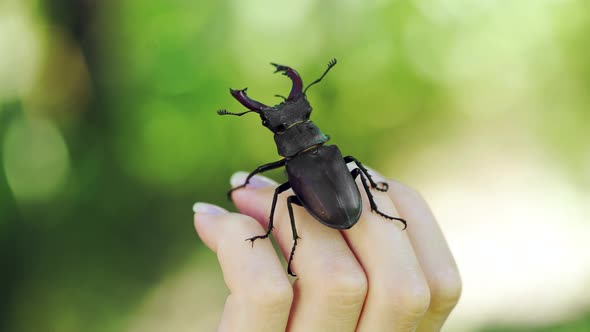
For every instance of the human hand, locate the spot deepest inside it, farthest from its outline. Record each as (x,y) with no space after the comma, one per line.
(372,277)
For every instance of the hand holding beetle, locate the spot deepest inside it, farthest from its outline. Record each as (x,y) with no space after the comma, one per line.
(317,172)
(371,277)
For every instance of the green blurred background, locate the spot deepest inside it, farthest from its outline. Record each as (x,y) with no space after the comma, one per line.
(109,134)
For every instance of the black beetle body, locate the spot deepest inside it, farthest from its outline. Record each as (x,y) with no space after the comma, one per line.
(317,173)
(323,184)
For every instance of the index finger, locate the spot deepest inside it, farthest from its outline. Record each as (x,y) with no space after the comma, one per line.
(260,292)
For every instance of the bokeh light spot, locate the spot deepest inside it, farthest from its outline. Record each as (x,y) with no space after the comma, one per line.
(36,159)
(20,47)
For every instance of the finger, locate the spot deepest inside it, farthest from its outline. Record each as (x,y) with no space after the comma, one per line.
(331,287)
(398,293)
(260,292)
(433,253)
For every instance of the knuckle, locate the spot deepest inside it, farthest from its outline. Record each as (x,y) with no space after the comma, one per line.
(410,298)
(416,301)
(445,292)
(275,294)
(346,287)
(353,285)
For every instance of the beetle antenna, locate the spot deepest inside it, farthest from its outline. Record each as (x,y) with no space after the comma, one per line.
(225,112)
(331,64)
(284,98)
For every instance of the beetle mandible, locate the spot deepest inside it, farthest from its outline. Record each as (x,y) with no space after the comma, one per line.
(317,173)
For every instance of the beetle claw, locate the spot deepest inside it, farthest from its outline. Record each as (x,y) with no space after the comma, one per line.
(252,239)
(384,186)
(403,221)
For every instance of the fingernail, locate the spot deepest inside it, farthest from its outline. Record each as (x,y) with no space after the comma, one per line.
(257,181)
(207,208)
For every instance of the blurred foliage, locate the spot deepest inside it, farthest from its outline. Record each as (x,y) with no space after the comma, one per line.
(577,325)
(109,131)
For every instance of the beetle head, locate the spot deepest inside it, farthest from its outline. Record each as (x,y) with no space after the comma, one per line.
(282,116)
(294,109)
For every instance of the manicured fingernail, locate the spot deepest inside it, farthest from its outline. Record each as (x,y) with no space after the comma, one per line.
(257,181)
(207,208)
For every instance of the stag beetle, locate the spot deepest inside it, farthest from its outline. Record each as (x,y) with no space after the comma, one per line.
(317,173)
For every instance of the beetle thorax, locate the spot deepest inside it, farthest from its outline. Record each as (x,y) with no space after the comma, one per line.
(298,138)
(286,114)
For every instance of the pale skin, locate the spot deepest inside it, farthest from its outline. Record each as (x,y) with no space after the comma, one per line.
(372,277)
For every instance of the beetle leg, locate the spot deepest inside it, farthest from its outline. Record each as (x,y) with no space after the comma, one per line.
(381,186)
(284,187)
(259,169)
(355,172)
(292,200)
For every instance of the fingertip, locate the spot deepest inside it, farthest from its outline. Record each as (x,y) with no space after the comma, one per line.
(207,222)
(251,199)
(257,181)
(254,202)
(206,208)
(238,178)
